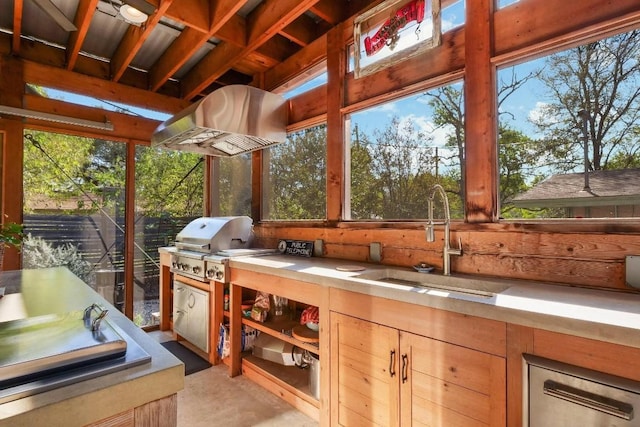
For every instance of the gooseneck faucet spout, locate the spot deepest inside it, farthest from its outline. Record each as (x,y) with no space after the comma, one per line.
(447,250)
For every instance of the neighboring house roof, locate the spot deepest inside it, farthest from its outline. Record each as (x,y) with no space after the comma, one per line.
(606,188)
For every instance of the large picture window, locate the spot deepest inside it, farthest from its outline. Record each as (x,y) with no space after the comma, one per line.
(400,149)
(569,132)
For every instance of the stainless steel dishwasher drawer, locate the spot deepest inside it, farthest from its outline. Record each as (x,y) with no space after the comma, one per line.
(568,396)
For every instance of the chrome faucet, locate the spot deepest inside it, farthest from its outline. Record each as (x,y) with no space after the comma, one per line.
(447,251)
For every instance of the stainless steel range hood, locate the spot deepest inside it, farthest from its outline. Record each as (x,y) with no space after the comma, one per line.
(232,120)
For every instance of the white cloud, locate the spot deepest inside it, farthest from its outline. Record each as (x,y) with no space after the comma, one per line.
(537,112)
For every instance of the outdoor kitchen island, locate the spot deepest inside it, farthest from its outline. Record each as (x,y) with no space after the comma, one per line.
(144,393)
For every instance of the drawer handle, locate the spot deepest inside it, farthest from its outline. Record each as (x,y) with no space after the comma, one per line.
(405,367)
(590,400)
(392,363)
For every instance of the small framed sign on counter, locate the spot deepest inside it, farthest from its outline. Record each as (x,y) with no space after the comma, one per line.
(296,247)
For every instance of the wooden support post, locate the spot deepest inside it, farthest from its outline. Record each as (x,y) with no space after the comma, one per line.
(480,97)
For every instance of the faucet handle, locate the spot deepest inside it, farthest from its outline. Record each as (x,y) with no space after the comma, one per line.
(458,250)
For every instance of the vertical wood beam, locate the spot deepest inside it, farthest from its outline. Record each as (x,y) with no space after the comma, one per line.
(256,185)
(336,70)
(129,227)
(481,147)
(11,92)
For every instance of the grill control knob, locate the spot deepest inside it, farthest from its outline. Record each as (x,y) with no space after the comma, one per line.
(210,273)
(196,269)
(184,267)
(219,275)
(175,264)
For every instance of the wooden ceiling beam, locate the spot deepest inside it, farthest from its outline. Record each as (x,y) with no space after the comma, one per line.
(263,23)
(297,63)
(330,11)
(192,13)
(70,81)
(125,126)
(191,40)
(302,31)
(17,26)
(82,21)
(133,41)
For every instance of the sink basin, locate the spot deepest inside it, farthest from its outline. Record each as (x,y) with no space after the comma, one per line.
(447,286)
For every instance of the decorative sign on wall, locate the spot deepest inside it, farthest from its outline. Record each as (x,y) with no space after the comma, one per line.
(296,247)
(393,31)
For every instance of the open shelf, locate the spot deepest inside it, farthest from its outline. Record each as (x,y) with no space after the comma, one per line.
(281,329)
(288,382)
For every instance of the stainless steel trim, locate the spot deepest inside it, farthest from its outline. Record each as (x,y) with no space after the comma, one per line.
(589,400)
(193,246)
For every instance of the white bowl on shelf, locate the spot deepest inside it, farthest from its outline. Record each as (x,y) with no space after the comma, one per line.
(313,326)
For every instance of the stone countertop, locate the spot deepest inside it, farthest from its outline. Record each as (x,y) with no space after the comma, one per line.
(32,293)
(602,315)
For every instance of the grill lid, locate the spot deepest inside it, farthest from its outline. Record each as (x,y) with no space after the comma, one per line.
(232,120)
(213,234)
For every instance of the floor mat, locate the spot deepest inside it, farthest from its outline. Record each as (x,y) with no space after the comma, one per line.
(192,362)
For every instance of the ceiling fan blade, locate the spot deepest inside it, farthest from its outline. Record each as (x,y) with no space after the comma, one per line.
(56,14)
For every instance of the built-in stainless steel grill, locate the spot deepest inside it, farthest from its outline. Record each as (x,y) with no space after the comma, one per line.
(204,246)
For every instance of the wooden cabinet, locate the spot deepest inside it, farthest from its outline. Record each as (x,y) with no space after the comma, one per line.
(289,382)
(388,377)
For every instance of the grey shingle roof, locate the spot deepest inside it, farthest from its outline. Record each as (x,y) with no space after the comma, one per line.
(606,187)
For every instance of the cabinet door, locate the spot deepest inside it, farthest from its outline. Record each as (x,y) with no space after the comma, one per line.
(364,364)
(448,385)
(198,306)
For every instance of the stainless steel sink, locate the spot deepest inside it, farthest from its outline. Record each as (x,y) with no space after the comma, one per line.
(447,286)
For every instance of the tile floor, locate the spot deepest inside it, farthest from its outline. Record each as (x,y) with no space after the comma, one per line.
(211,398)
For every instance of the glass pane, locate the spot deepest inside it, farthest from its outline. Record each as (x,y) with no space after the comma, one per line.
(74,209)
(400,149)
(295,181)
(568,132)
(232,188)
(169,195)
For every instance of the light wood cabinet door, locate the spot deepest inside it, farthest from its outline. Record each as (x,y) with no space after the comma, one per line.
(449,385)
(381,376)
(364,361)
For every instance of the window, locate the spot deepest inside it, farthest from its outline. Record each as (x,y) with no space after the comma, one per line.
(393,31)
(168,196)
(295,176)
(232,185)
(400,149)
(74,208)
(548,109)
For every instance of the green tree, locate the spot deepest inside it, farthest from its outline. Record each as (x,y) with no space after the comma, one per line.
(366,199)
(401,160)
(602,79)
(297,176)
(56,168)
(169,182)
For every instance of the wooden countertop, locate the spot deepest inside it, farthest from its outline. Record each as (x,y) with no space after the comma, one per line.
(56,290)
(603,315)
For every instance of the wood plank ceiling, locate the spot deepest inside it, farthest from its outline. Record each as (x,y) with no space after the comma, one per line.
(186,49)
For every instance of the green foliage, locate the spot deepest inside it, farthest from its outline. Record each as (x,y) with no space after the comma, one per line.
(38,253)
(297,176)
(169,182)
(11,234)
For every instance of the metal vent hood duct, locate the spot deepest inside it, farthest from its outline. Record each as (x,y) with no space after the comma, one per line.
(232,120)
